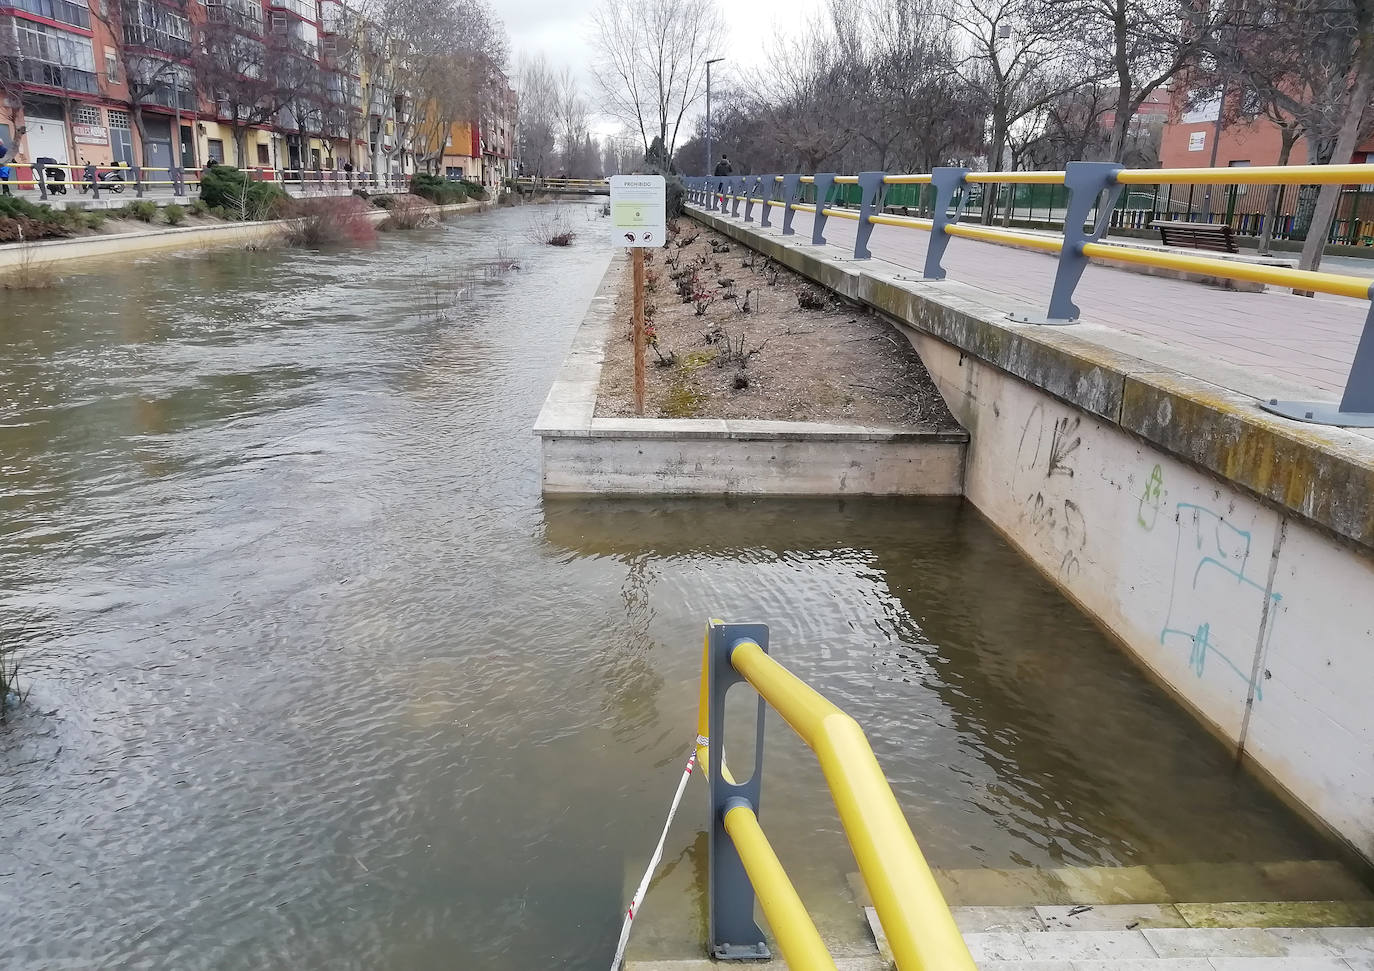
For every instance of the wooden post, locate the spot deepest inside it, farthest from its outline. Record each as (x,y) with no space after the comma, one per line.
(639,330)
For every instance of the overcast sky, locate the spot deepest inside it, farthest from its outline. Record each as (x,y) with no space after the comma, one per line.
(560,29)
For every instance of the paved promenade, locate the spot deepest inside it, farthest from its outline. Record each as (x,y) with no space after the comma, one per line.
(1270,343)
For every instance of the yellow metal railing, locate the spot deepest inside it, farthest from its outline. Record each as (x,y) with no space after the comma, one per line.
(915,918)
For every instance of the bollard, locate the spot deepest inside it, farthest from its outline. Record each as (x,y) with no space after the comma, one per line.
(1087,182)
(870,184)
(949,190)
(822,183)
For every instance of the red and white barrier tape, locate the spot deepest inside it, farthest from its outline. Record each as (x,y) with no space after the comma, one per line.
(653,865)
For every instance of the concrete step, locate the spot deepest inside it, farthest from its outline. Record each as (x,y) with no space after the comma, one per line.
(1340,948)
(1129,917)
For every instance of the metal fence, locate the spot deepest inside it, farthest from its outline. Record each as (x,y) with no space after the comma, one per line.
(1093,194)
(115,179)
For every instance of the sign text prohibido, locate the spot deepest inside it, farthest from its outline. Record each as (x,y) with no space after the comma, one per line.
(639,219)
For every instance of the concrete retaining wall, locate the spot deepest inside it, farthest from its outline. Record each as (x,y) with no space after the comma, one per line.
(51,251)
(585,454)
(1149,497)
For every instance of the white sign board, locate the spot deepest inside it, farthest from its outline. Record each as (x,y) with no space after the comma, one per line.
(1197,140)
(639,210)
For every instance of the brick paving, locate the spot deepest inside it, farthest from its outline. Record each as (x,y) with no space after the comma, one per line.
(1306,342)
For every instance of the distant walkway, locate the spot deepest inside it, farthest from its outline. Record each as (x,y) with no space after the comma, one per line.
(1307,341)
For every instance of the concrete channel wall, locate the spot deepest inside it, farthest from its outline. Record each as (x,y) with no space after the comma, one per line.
(50,251)
(1230,553)
(587,455)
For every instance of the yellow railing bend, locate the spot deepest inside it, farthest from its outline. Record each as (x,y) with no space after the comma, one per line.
(919,926)
(1092,189)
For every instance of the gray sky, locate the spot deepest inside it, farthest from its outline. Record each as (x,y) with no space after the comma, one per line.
(560,30)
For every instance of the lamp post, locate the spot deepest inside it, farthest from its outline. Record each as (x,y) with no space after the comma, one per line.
(709,156)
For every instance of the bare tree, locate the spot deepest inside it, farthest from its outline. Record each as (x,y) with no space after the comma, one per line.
(155,44)
(538,91)
(1311,62)
(652,64)
(572,120)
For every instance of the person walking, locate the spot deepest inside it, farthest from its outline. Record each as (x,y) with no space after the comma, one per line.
(723,169)
(4,170)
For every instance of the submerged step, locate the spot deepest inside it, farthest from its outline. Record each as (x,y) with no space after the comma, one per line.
(1293,944)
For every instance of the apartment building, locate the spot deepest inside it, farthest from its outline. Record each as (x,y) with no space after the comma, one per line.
(164,82)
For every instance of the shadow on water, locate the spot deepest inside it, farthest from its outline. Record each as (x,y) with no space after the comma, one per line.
(318,680)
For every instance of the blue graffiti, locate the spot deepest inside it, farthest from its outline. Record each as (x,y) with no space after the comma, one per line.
(1216,552)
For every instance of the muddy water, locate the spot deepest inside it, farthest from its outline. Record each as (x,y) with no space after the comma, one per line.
(318,681)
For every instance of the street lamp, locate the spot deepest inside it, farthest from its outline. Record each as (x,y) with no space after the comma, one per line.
(709,156)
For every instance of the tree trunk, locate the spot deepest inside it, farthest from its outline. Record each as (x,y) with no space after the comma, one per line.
(995,156)
(240,146)
(142,131)
(1324,212)
(1289,137)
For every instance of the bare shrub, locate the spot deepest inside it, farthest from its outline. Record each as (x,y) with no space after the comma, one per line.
(411,212)
(331,221)
(551,228)
(30,273)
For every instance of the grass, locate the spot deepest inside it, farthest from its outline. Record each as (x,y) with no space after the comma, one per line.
(10,693)
(175,215)
(683,400)
(28,274)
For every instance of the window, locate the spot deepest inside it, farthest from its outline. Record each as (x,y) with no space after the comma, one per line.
(118,119)
(263,157)
(5,136)
(87,115)
(278,21)
(111,66)
(214,148)
(43,43)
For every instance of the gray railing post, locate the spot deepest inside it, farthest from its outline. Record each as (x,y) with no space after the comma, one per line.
(738,189)
(791,192)
(1356,407)
(822,182)
(751,185)
(949,184)
(870,183)
(138,181)
(178,181)
(770,186)
(1086,182)
(734,934)
(41,177)
(92,172)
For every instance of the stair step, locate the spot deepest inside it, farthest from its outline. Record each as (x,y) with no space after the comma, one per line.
(1128,917)
(1332,944)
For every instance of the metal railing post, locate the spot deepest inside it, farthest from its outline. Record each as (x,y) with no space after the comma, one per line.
(752,183)
(738,188)
(734,934)
(42,178)
(769,184)
(791,192)
(1086,182)
(138,181)
(949,183)
(1356,407)
(870,184)
(822,182)
(95,180)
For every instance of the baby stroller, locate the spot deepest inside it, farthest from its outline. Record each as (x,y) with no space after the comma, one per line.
(53,175)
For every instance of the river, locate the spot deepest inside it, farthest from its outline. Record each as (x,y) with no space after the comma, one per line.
(319,681)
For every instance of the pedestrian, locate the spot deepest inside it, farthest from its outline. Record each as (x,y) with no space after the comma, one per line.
(348,171)
(723,169)
(4,170)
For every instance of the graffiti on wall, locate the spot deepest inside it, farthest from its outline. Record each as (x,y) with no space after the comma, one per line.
(1045,457)
(1214,568)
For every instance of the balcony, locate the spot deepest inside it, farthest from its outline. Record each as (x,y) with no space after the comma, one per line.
(62,11)
(171,97)
(304,9)
(150,38)
(70,79)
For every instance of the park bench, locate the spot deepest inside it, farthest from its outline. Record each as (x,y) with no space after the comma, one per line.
(1212,236)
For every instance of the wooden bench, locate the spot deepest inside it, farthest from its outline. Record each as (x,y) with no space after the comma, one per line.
(1212,236)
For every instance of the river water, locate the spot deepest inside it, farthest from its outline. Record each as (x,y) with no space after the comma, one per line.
(318,681)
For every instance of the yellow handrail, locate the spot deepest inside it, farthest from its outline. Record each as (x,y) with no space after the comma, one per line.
(1280,276)
(1035,178)
(1253,175)
(801,943)
(913,912)
(987,234)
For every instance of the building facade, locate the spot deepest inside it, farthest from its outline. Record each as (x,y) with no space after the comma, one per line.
(165,82)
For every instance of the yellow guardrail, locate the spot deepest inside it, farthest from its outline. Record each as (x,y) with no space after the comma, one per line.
(915,917)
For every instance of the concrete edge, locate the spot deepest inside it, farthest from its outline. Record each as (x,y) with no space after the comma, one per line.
(50,251)
(569,408)
(1324,476)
